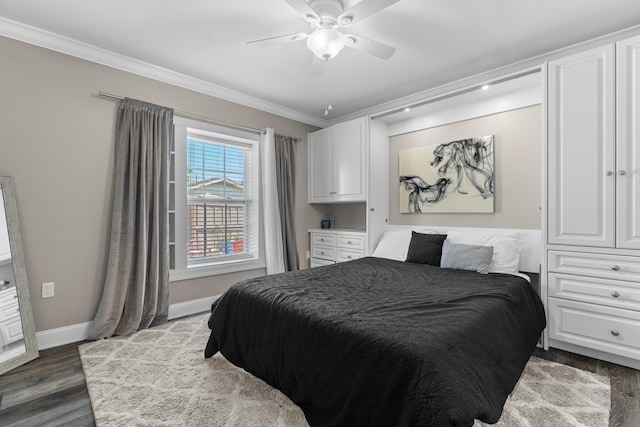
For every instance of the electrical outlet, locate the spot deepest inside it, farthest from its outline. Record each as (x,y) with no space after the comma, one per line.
(47,290)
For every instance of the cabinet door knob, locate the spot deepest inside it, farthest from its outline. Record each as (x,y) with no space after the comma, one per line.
(322,239)
(615,333)
(622,173)
(615,294)
(615,267)
(609,173)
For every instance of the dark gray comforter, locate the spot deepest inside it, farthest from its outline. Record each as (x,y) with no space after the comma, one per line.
(376,342)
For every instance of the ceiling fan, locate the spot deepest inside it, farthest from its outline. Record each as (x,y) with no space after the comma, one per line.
(326,18)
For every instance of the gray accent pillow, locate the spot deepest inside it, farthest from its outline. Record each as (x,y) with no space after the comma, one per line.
(466,257)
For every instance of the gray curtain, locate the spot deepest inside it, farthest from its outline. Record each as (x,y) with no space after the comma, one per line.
(136,288)
(285,177)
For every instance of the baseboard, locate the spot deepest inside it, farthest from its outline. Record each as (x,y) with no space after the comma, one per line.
(188,308)
(61,336)
(79,332)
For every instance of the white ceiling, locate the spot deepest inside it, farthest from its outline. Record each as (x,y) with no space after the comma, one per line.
(437,41)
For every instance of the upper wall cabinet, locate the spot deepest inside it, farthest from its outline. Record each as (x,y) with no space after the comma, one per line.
(593,153)
(337,163)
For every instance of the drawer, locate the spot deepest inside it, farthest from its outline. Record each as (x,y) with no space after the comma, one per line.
(326,239)
(317,262)
(348,254)
(8,295)
(607,329)
(351,241)
(324,252)
(11,331)
(9,311)
(613,293)
(616,267)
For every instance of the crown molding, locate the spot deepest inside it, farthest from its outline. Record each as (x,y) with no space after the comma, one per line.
(489,75)
(68,46)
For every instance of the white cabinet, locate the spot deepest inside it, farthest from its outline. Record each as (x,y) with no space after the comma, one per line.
(10,322)
(582,149)
(594,148)
(594,305)
(331,246)
(349,163)
(628,144)
(593,222)
(337,163)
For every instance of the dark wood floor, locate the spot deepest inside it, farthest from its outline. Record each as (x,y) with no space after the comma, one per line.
(51,390)
(48,391)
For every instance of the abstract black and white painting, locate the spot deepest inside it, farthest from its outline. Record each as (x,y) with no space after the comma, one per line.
(456,176)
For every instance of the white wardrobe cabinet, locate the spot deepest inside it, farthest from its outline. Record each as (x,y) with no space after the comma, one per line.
(594,150)
(628,144)
(337,163)
(593,202)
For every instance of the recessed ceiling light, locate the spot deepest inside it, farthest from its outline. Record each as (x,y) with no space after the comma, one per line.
(485,87)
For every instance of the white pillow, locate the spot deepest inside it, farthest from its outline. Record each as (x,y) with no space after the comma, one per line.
(394,244)
(506,248)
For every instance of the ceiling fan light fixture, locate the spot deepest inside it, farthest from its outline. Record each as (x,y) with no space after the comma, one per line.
(326,43)
(346,20)
(311,18)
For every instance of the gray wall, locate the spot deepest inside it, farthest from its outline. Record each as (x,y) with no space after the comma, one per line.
(57,141)
(517,148)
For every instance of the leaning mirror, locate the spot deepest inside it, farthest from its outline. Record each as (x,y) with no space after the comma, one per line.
(17,333)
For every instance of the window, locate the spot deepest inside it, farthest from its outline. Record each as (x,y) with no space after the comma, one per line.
(215,222)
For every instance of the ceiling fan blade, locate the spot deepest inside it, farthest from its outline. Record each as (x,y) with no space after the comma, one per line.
(303,8)
(375,48)
(271,41)
(317,66)
(362,10)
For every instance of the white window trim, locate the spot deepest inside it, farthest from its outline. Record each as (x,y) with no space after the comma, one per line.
(228,265)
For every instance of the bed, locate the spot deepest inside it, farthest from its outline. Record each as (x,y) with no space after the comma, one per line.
(382,341)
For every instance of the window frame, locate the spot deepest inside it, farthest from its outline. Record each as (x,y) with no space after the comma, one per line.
(178,213)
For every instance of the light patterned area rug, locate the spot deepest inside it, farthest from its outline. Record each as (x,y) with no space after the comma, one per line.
(159,377)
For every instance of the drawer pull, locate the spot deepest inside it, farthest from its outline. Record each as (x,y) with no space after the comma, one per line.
(349,242)
(609,173)
(615,294)
(348,256)
(322,239)
(615,267)
(615,333)
(321,252)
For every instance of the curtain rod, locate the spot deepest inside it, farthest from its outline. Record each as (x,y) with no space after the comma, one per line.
(190,116)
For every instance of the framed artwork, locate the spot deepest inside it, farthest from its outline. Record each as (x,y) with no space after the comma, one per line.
(452,177)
